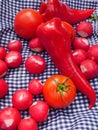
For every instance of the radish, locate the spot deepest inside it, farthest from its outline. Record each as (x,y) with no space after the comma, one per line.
(22,99)
(79,55)
(35,45)
(15,45)
(28,124)
(2,53)
(89,68)
(9,118)
(93,53)
(3,88)
(3,68)
(81,43)
(13,59)
(84,29)
(39,111)
(35,64)
(35,86)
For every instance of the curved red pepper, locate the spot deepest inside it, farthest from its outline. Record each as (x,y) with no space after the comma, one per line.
(55,8)
(57,43)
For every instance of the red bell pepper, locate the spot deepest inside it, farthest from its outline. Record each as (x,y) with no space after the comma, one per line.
(55,8)
(57,43)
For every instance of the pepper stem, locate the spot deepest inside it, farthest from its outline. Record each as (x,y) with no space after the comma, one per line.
(94,17)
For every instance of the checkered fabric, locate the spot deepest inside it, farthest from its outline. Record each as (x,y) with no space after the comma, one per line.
(75,117)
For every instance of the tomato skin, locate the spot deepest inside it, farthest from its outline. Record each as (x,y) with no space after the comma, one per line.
(3,88)
(53,97)
(26,22)
(9,118)
(28,124)
(22,99)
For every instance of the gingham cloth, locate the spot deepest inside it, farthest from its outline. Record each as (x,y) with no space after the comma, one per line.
(75,117)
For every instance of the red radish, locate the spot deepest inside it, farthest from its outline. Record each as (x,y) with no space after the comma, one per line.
(2,53)
(13,59)
(84,29)
(3,88)
(35,86)
(28,124)
(89,68)
(79,55)
(3,68)
(15,45)
(9,118)
(35,64)
(81,43)
(22,99)
(93,53)
(35,45)
(39,111)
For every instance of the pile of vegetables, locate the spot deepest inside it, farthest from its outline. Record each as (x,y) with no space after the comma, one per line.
(49,29)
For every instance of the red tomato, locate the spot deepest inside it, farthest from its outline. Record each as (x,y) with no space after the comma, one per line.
(22,99)
(35,64)
(70,29)
(39,111)
(26,22)
(13,59)
(3,88)
(28,124)
(35,86)
(59,91)
(9,118)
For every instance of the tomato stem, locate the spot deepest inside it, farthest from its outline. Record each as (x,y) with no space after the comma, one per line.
(62,87)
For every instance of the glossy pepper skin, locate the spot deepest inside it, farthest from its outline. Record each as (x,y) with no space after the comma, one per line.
(55,8)
(57,43)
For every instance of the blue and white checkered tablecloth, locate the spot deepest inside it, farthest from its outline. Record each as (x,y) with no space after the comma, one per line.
(77,116)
